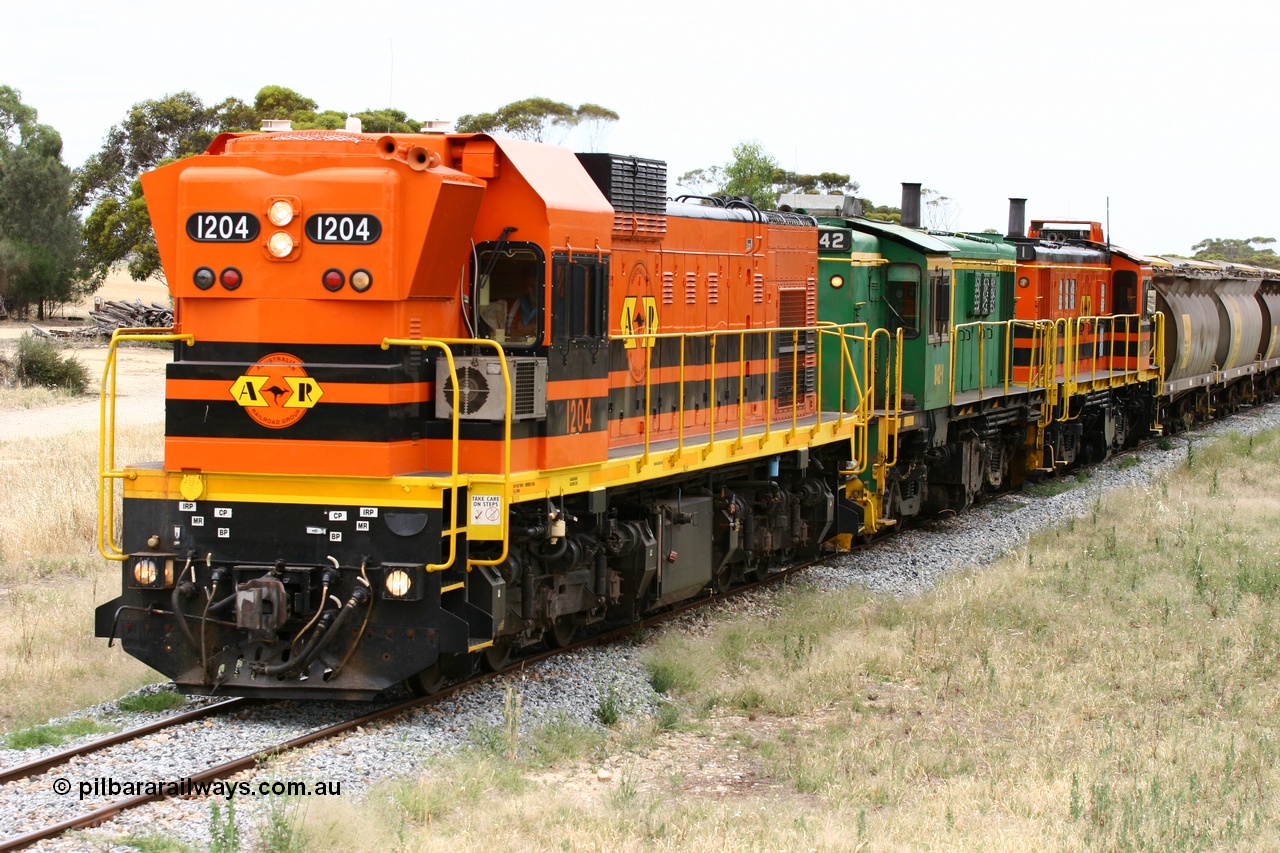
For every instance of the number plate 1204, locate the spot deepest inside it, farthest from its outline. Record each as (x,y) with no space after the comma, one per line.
(360,228)
(222,227)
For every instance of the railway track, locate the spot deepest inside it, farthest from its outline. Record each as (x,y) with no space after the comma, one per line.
(66,756)
(250,760)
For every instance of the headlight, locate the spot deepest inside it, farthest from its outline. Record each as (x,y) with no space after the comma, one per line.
(837,281)
(361,281)
(151,572)
(280,244)
(145,572)
(398,583)
(280,213)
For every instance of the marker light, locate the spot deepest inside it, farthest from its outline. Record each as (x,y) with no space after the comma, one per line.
(837,281)
(361,281)
(280,244)
(145,572)
(397,583)
(280,213)
(333,280)
(204,278)
(230,278)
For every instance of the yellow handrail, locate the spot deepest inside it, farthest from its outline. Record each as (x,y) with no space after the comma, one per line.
(1157,351)
(713,337)
(864,391)
(844,333)
(107,473)
(456,479)
(1040,334)
(711,398)
(742,388)
(711,413)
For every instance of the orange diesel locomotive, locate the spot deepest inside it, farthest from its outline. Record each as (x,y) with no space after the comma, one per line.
(438,397)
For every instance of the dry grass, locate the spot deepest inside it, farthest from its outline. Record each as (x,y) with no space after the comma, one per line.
(1113,688)
(15,397)
(51,577)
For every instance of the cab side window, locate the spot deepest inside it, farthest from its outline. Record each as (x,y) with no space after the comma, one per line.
(510,293)
(940,294)
(579,298)
(902,299)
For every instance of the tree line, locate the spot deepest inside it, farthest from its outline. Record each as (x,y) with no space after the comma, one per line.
(42,259)
(62,229)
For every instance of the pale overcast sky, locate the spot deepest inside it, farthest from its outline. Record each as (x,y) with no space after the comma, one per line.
(1169,108)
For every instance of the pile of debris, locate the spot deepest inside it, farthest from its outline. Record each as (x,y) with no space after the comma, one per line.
(109,315)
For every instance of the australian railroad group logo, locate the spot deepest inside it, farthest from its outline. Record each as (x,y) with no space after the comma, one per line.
(276,392)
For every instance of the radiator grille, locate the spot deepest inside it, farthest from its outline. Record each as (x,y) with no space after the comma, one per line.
(796,362)
(524,386)
(637,189)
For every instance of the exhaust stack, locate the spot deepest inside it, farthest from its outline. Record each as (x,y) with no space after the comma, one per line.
(911,205)
(1017,217)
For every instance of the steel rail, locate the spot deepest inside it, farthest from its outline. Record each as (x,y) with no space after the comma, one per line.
(48,762)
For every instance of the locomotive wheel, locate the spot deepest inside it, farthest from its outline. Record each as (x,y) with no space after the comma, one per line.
(561,634)
(495,657)
(428,682)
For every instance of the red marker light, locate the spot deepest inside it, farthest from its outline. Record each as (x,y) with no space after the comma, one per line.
(333,280)
(230,278)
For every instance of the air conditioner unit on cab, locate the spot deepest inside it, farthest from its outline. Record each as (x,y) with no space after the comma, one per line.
(481,394)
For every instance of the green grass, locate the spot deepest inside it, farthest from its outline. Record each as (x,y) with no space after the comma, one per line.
(667,674)
(609,709)
(1114,680)
(153,842)
(280,827)
(54,734)
(1051,486)
(163,700)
